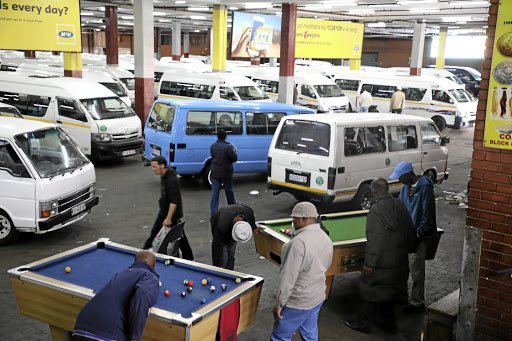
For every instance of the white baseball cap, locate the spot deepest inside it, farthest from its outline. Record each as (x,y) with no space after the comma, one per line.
(304,209)
(241,232)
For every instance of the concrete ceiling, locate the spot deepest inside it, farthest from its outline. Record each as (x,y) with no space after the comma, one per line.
(382,18)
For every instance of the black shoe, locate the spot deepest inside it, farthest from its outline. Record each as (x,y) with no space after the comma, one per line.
(390,328)
(411,308)
(357,326)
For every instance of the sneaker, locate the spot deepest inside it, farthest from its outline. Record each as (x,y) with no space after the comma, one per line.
(411,308)
(357,326)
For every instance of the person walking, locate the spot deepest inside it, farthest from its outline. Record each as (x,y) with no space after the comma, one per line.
(223,156)
(390,235)
(230,224)
(397,102)
(417,194)
(301,284)
(171,210)
(120,309)
(365,101)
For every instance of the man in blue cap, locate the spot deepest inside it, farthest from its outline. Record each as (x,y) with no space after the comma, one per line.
(417,194)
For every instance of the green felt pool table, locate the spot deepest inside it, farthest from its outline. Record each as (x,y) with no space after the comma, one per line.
(347,232)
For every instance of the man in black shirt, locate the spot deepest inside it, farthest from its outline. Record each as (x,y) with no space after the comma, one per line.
(170,204)
(223,156)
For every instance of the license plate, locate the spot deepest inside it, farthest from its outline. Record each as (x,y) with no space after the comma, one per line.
(298,178)
(77,209)
(128,152)
(156,151)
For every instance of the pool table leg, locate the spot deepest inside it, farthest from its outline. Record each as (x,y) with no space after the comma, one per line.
(328,283)
(59,334)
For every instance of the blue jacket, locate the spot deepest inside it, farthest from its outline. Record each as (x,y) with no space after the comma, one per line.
(120,309)
(223,156)
(421,205)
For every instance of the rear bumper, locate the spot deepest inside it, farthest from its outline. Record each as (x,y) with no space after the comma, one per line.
(115,149)
(299,193)
(66,218)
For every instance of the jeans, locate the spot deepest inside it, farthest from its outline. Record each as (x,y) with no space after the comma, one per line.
(363,109)
(396,111)
(228,189)
(227,260)
(306,321)
(417,269)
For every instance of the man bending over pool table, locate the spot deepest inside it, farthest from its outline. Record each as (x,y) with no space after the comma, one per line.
(120,309)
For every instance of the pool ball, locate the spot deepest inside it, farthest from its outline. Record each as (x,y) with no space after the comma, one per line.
(167,262)
(189,289)
(209,280)
(224,286)
(190,283)
(203,301)
(67,269)
(212,288)
(167,292)
(238,280)
(185,282)
(204,282)
(183,294)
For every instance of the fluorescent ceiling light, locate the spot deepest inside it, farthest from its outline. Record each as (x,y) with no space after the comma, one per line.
(159,14)
(87,13)
(198,8)
(233,8)
(101,8)
(317,7)
(180,2)
(361,11)
(383,6)
(469,3)
(424,10)
(417,2)
(164,20)
(230,20)
(196,30)
(256,5)
(377,24)
(127,17)
(229,25)
(197,17)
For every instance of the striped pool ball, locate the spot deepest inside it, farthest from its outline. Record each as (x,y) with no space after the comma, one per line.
(212,288)
(189,289)
(224,286)
(185,282)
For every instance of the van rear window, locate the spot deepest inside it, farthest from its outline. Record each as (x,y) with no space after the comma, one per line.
(161,117)
(208,122)
(348,84)
(264,123)
(31,105)
(187,89)
(305,137)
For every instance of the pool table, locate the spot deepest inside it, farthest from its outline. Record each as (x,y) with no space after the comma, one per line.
(348,234)
(46,292)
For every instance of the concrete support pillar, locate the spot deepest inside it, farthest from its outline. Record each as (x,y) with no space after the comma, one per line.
(73,64)
(355,64)
(443,33)
(111,37)
(255,61)
(144,47)
(287,54)
(30,54)
(220,37)
(176,40)
(158,42)
(272,62)
(418,41)
(186,45)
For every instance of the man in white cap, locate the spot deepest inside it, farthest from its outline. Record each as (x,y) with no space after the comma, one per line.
(230,224)
(397,102)
(301,285)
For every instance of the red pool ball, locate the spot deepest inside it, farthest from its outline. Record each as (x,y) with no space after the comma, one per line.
(167,292)
(190,283)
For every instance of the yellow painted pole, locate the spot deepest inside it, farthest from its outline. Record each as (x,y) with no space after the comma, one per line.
(73,64)
(443,33)
(355,64)
(220,24)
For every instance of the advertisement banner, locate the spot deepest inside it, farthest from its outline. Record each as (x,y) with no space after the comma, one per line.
(498,120)
(328,39)
(255,35)
(51,25)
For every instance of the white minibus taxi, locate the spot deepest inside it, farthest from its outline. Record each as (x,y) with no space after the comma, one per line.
(314,91)
(7,110)
(46,182)
(330,158)
(100,123)
(209,85)
(437,98)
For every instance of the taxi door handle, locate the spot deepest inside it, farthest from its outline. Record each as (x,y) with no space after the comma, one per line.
(425,153)
(59,121)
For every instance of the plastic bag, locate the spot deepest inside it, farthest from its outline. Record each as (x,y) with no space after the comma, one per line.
(159,238)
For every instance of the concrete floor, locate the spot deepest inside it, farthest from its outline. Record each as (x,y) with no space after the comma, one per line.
(128,207)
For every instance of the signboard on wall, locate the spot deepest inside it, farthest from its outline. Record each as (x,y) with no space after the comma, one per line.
(255,35)
(328,39)
(498,120)
(51,25)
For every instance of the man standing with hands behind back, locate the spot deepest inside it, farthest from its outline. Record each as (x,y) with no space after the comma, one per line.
(397,102)
(417,194)
(301,284)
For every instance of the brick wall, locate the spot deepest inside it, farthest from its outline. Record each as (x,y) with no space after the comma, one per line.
(490,209)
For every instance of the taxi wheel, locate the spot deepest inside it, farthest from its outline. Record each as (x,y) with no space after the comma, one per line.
(206,175)
(363,198)
(8,232)
(439,122)
(431,174)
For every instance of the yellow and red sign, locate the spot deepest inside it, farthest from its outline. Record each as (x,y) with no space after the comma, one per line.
(498,120)
(51,25)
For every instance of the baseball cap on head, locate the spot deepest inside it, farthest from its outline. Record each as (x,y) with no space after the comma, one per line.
(304,210)
(241,231)
(402,168)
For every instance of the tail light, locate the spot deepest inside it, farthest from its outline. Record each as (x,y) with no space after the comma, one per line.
(171,152)
(331,177)
(269,167)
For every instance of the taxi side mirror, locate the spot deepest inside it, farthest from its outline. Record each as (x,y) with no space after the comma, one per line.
(445,140)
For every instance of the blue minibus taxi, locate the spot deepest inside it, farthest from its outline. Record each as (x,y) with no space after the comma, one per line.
(182,131)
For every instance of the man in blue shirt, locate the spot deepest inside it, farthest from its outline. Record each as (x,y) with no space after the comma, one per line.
(417,194)
(120,309)
(223,156)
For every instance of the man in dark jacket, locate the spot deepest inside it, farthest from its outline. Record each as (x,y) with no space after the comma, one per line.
(120,309)
(417,194)
(223,156)
(171,211)
(390,235)
(227,231)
